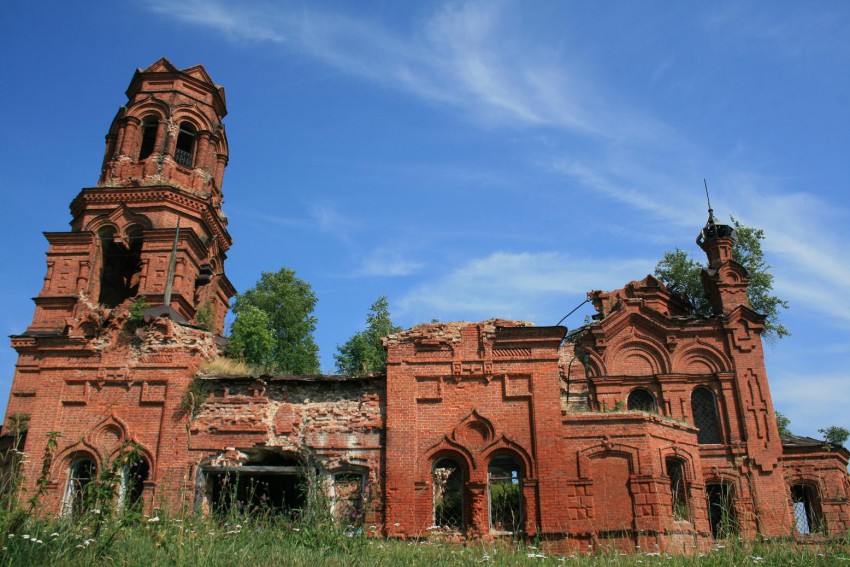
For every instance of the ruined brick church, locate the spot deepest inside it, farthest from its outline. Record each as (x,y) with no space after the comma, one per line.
(648,427)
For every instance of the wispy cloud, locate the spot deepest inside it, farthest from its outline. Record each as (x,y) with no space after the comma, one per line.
(518,285)
(818,400)
(386,263)
(466,55)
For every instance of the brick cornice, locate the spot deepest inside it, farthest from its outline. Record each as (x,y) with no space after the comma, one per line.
(158,195)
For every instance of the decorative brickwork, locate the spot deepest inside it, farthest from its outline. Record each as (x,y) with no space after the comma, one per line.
(648,427)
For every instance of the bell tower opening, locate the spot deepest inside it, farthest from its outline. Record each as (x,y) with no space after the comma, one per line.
(184,152)
(150,126)
(119,279)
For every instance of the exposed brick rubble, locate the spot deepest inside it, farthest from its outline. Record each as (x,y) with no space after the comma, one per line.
(648,427)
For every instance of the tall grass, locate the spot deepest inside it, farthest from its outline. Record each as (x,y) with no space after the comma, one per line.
(116,535)
(127,539)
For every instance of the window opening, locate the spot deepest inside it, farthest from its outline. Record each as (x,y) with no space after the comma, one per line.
(704,407)
(271,483)
(348,498)
(133,481)
(122,264)
(183,153)
(150,126)
(448,494)
(676,473)
(641,399)
(721,509)
(80,476)
(807,510)
(504,486)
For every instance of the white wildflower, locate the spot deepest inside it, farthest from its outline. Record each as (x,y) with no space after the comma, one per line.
(25,536)
(54,534)
(153,520)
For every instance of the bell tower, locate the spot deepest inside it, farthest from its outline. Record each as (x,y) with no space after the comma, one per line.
(153,227)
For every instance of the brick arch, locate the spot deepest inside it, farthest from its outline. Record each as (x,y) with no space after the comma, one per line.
(120,219)
(474,431)
(71,452)
(701,359)
(811,478)
(446,447)
(606,447)
(221,145)
(144,452)
(504,446)
(675,452)
(637,357)
(595,365)
(150,107)
(198,119)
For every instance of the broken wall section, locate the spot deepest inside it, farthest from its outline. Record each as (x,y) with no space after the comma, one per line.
(328,426)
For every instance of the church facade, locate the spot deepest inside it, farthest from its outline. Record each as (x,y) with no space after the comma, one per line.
(648,427)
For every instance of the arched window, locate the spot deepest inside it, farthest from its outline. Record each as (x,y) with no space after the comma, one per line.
(133,481)
(808,517)
(119,277)
(184,152)
(447,476)
(77,497)
(704,407)
(721,509)
(150,126)
(641,399)
(504,495)
(679,495)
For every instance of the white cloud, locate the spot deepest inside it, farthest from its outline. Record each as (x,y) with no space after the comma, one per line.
(468,56)
(386,263)
(246,24)
(812,401)
(520,285)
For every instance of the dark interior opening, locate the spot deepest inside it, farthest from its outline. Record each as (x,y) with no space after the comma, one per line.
(150,125)
(270,483)
(721,510)
(641,400)
(807,509)
(134,482)
(77,498)
(184,152)
(122,262)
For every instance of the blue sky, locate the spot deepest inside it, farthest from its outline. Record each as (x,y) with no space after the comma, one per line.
(468,159)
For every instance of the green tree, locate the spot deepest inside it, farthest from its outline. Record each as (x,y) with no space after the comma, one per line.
(783,422)
(681,273)
(251,337)
(835,435)
(274,324)
(364,353)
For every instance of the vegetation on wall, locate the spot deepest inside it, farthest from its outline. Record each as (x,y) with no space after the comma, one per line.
(682,274)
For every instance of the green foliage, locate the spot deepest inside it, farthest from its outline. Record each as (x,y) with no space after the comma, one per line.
(195,395)
(364,353)
(682,274)
(835,435)
(251,337)
(783,422)
(204,317)
(748,252)
(137,309)
(274,324)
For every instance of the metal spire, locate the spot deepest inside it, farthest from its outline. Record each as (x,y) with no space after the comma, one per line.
(172,265)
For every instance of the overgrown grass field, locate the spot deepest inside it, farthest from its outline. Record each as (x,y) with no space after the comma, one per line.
(134,539)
